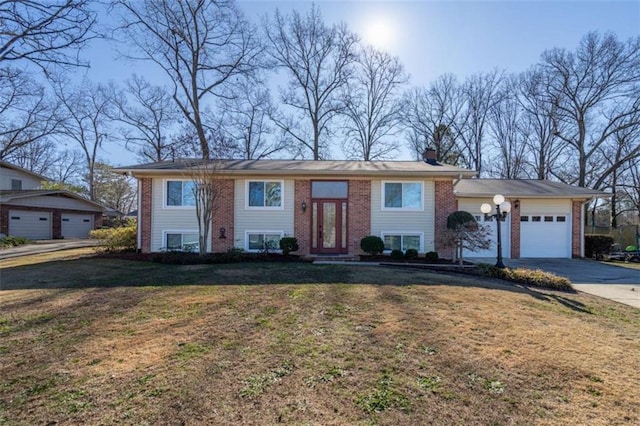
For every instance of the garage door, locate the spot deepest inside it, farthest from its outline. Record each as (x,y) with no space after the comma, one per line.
(30,224)
(545,235)
(76,225)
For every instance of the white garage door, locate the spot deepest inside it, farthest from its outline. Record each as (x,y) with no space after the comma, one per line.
(30,224)
(76,225)
(545,235)
(473,206)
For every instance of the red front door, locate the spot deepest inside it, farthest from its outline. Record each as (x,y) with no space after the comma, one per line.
(329,227)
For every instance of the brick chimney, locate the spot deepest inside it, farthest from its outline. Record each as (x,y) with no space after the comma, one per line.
(430,156)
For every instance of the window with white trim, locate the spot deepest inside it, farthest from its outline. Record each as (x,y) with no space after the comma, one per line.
(402,195)
(180,193)
(264,194)
(402,241)
(181,241)
(263,240)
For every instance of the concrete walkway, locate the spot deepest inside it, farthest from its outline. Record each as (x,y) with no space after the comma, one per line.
(45,246)
(600,279)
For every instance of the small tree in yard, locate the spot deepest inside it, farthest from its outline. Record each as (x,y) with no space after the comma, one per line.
(464,232)
(205,190)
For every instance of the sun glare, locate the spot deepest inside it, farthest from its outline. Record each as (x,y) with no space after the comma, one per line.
(380,33)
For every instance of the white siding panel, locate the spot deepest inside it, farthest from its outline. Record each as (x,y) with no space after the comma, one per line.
(404,221)
(472,205)
(28,182)
(164,219)
(54,201)
(262,220)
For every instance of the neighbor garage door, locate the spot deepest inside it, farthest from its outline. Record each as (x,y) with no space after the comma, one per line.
(30,224)
(76,225)
(545,235)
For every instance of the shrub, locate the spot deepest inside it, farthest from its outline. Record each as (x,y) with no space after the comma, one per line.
(411,254)
(597,245)
(397,254)
(372,245)
(530,277)
(288,244)
(432,256)
(10,241)
(116,239)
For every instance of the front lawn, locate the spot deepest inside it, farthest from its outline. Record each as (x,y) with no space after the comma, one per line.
(102,341)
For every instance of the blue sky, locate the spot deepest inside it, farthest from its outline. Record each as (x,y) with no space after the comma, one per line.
(443,36)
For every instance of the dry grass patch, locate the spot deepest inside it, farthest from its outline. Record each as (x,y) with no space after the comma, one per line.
(377,345)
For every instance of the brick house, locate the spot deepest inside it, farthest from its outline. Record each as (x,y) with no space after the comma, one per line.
(329,206)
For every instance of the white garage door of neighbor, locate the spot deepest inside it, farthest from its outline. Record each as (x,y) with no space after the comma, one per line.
(505,228)
(76,225)
(545,235)
(30,224)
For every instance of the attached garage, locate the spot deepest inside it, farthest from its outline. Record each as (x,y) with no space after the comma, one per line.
(545,220)
(76,225)
(472,206)
(32,225)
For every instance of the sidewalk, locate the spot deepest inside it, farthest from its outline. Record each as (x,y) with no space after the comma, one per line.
(45,246)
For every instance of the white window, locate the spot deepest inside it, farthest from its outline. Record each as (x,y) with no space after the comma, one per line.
(181,241)
(402,241)
(264,194)
(402,195)
(263,240)
(180,193)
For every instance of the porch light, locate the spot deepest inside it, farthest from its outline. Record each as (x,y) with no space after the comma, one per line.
(502,210)
(303,207)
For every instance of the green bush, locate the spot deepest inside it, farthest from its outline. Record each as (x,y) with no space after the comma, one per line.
(530,277)
(411,254)
(372,245)
(432,256)
(597,245)
(288,244)
(10,241)
(461,219)
(397,254)
(116,239)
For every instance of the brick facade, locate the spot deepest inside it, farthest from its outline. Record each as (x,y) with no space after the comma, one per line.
(144,215)
(302,220)
(576,234)
(445,204)
(515,229)
(223,217)
(359,214)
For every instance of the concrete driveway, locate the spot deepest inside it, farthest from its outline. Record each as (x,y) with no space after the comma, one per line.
(44,246)
(601,279)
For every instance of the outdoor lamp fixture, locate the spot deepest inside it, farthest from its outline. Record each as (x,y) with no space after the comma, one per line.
(502,210)
(222,234)
(303,207)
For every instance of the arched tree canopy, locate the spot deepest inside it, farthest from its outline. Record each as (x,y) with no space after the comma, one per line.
(461,219)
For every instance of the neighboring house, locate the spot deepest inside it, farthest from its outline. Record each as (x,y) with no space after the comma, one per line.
(28,211)
(329,206)
(546,218)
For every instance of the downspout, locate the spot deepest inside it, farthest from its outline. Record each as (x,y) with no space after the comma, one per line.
(138,227)
(582,218)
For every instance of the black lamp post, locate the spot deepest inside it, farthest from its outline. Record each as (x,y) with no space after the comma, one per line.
(502,210)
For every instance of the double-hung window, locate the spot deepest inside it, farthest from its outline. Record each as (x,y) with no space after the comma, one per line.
(264,194)
(181,241)
(402,195)
(180,193)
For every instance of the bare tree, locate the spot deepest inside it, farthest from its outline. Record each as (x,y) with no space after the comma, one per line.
(45,33)
(114,190)
(146,112)
(373,106)
(481,92)
(319,61)
(430,116)
(595,91)
(86,109)
(200,45)
(27,115)
(246,121)
(464,233)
